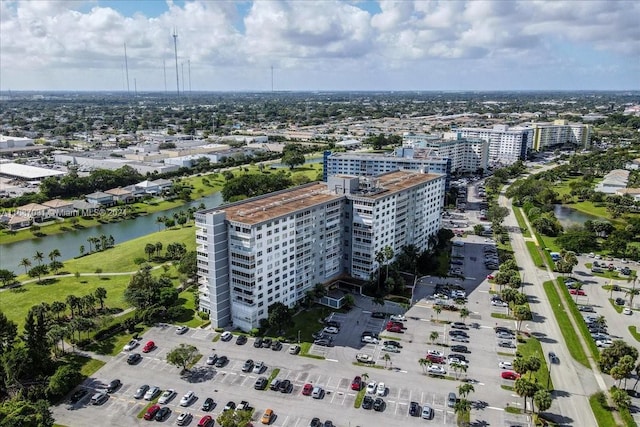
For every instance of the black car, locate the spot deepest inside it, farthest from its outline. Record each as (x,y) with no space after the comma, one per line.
(229,406)
(163,413)
(208,404)
(553,358)
(134,358)
(393,343)
(367,402)
(458,333)
(266,342)
(460,349)
(502,329)
(241,340)
(333,323)
(221,361)
(275,385)
(261,383)
(328,423)
(248,366)
(315,422)
(258,342)
(378,315)
(276,346)
(379,405)
(414,409)
(285,386)
(620,301)
(113,386)
(78,395)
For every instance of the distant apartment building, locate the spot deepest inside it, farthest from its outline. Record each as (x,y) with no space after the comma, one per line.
(560,132)
(506,144)
(276,247)
(371,164)
(466,154)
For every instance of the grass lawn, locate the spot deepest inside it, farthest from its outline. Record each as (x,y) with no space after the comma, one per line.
(191,319)
(307,322)
(532,347)
(562,317)
(88,366)
(112,346)
(16,303)
(633,331)
(523,226)
(534,252)
(616,307)
(601,410)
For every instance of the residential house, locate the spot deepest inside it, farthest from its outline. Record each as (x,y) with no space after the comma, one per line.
(17,222)
(35,211)
(100,198)
(60,208)
(121,195)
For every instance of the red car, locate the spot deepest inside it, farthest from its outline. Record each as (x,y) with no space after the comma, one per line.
(151,412)
(150,345)
(490,276)
(510,375)
(393,323)
(435,359)
(356,384)
(394,328)
(307,389)
(206,421)
(577,292)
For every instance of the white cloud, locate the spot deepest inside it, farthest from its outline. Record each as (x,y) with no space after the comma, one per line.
(85,40)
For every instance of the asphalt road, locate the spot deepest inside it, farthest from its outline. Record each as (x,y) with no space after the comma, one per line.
(573,382)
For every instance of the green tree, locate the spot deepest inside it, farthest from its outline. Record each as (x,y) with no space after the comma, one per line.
(292,156)
(464,313)
(101,294)
(36,342)
(63,380)
(424,364)
(465,389)
(279,315)
(182,356)
(521,313)
(39,256)
(438,309)
(620,397)
(525,389)
(609,357)
(26,263)
(149,249)
(234,418)
(18,412)
(189,265)
(38,271)
(542,400)
(8,334)
(7,277)
(433,336)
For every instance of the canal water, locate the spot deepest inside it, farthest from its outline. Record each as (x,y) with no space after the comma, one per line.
(68,243)
(569,216)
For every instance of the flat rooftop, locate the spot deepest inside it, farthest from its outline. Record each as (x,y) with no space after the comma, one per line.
(254,211)
(16,170)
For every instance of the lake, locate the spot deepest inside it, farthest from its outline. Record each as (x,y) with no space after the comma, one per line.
(569,216)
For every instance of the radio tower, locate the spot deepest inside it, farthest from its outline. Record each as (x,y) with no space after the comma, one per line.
(175,49)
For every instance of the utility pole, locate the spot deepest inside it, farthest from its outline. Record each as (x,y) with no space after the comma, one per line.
(175,50)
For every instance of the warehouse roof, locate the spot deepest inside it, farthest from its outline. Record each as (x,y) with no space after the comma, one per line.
(16,170)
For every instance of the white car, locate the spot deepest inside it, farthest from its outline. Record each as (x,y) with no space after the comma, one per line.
(604,343)
(371,387)
(187,398)
(499,303)
(182,330)
(226,336)
(391,349)
(369,340)
(258,367)
(626,311)
(398,318)
(331,330)
(167,396)
(459,338)
(436,370)
(436,353)
(456,361)
(152,393)
(381,389)
(131,345)
(505,365)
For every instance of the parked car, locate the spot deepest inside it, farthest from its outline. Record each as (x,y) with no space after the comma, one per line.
(510,375)
(369,340)
(261,383)
(163,413)
(167,396)
(505,365)
(620,301)
(371,387)
(229,406)
(393,343)
(459,338)
(78,395)
(436,370)
(356,384)
(182,330)
(99,398)
(627,311)
(212,359)
(435,353)
(275,384)
(188,397)
(323,342)
(221,361)
(460,348)
(258,342)
(206,421)
(267,416)
(459,325)
(381,390)
(266,342)
(379,405)
(427,412)
(248,366)
(364,358)
(506,344)
(113,386)
(208,404)
(331,330)
(414,409)
(139,394)
(151,412)
(394,328)
(241,340)
(276,346)
(391,349)
(152,393)
(294,349)
(378,315)
(317,393)
(259,367)
(131,345)
(185,419)
(285,386)
(367,402)
(398,317)
(150,345)
(307,389)
(134,358)
(226,336)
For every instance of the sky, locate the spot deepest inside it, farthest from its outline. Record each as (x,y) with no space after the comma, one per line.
(325,45)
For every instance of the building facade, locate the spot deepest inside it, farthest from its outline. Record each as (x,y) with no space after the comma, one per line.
(560,132)
(467,155)
(276,247)
(506,144)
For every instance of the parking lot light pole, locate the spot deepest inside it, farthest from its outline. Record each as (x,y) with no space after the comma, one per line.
(298,336)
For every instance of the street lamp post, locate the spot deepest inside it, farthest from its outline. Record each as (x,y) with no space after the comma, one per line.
(298,336)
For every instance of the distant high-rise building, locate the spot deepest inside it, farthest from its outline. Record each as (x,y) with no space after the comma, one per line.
(466,154)
(506,144)
(560,132)
(277,247)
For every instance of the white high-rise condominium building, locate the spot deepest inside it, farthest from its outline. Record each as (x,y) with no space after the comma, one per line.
(465,154)
(506,145)
(276,247)
(560,132)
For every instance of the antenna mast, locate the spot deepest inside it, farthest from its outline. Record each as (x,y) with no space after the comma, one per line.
(175,49)
(126,67)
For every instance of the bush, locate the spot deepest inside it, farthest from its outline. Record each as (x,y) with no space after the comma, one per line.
(139,260)
(219,329)
(108,332)
(203,315)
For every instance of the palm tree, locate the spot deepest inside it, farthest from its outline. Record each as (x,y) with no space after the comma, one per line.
(542,399)
(465,389)
(461,408)
(632,294)
(72,302)
(455,367)
(424,363)
(101,294)
(464,313)
(54,254)
(438,309)
(58,307)
(26,263)
(149,249)
(39,256)
(365,377)
(433,336)
(380,260)
(525,389)
(386,359)
(158,248)
(81,250)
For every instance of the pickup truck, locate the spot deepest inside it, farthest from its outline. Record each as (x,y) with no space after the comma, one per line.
(243,406)
(364,358)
